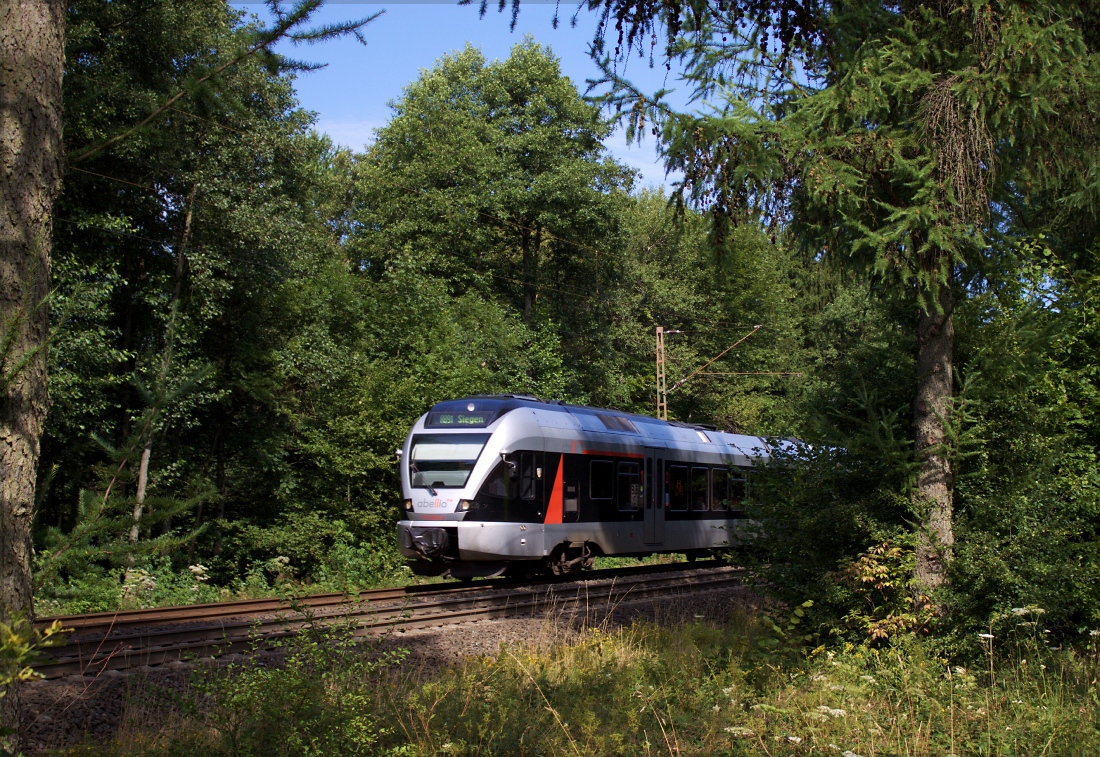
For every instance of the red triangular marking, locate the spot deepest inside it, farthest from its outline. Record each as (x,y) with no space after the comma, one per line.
(553,510)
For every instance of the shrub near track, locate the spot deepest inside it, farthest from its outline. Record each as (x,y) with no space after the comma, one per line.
(692,689)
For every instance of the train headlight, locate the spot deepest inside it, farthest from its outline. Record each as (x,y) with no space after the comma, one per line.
(409,505)
(465,504)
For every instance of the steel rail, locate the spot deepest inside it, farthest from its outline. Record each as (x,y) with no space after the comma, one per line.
(245,607)
(154,646)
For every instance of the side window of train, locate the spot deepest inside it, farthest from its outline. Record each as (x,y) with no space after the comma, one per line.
(677,487)
(700,483)
(499,483)
(527,475)
(719,492)
(738,491)
(630,486)
(601,480)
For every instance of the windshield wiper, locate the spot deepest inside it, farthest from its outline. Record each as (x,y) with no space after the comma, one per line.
(414,469)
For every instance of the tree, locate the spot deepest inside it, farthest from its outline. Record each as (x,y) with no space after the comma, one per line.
(509,154)
(31,54)
(494,175)
(181,232)
(902,139)
(32,153)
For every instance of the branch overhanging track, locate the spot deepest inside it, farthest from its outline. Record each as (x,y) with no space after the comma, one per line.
(99,642)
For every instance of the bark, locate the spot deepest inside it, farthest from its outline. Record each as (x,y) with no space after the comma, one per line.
(32,51)
(220,483)
(166,360)
(530,245)
(931,414)
(142,484)
(528,286)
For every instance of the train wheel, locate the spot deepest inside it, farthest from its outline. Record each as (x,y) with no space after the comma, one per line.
(559,565)
(565,560)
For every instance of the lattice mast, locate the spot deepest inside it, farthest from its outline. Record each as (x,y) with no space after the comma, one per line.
(662,388)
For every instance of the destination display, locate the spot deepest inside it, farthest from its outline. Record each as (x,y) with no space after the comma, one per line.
(475,420)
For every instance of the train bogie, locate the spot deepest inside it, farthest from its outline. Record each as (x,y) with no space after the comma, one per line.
(510,480)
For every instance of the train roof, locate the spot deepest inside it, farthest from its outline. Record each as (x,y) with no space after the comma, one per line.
(481,411)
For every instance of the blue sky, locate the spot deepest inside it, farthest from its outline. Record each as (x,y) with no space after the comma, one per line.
(351,94)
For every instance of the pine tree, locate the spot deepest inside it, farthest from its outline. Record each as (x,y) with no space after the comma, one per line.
(903,140)
(32,44)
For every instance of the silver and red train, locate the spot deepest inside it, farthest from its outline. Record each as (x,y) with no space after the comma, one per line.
(493,482)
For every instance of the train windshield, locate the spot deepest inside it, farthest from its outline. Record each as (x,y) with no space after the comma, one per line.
(444,461)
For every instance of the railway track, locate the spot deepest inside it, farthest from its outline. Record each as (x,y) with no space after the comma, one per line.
(114,641)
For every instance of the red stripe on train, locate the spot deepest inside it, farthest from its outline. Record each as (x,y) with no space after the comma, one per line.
(553,510)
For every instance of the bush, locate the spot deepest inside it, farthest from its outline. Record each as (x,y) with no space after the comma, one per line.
(154,584)
(695,689)
(317,702)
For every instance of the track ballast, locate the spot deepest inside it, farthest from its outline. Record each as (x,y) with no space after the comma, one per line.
(99,642)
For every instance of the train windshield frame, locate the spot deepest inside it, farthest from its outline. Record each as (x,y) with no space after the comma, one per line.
(444,461)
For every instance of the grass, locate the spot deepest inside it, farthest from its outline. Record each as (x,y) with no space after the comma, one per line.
(671,689)
(159,585)
(601,563)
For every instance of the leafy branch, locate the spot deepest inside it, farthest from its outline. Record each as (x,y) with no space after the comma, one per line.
(256,41)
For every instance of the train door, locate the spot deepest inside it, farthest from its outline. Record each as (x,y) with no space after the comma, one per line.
(653,531)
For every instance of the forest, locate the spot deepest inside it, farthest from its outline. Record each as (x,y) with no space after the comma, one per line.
(244,319)
(257,317)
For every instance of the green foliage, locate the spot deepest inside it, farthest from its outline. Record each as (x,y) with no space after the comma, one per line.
(692,689)
(316,702)
(315,302)
(184,236)
(150,583)
(105,518)
(837,515)
(1031,489)
(510,182)
(784,639)
(881,582)
(914,152)
(21,646)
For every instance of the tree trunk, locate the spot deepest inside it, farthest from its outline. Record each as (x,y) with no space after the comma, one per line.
(32,49)
(931,414)
(166,360)
(528,286)
(220,483)
(530,270)
(139,500)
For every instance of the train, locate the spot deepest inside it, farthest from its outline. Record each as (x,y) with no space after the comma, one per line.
(512,483)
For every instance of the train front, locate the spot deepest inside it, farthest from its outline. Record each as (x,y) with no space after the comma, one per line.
(460,476)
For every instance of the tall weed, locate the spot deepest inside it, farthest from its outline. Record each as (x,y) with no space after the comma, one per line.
(316,701)
(647,689)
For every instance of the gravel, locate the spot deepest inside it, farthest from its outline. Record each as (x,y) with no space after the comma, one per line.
(63,713)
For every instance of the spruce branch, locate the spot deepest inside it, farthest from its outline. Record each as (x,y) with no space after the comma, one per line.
(257,40)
